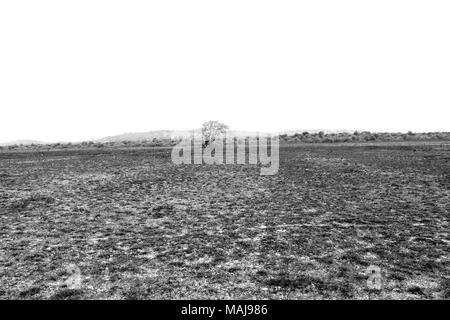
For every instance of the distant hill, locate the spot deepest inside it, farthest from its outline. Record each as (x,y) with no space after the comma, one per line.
(164,134)
(19,142)
(150,135)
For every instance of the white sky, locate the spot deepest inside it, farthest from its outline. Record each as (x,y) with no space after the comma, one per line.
(76,70)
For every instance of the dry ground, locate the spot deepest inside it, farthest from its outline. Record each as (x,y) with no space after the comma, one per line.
(139,227)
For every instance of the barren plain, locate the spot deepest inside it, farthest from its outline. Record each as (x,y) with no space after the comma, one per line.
(139,227)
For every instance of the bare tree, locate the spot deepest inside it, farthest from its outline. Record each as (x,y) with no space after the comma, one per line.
(212,129)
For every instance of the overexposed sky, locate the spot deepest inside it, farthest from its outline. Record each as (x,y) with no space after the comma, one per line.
(79,70)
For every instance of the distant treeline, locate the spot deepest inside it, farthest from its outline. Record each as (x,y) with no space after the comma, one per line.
(362,136)
(91,145)
(304,137)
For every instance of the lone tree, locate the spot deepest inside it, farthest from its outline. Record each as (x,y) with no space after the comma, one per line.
(210,131)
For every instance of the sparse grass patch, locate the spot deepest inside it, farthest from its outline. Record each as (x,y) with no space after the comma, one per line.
(67,294)
(33,199)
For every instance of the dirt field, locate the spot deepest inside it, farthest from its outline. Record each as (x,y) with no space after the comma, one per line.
(139,227)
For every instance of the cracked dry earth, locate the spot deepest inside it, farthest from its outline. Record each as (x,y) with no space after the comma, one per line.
(139,227)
